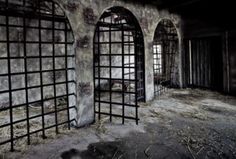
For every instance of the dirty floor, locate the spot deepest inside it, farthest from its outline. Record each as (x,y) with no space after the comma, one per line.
(180,124)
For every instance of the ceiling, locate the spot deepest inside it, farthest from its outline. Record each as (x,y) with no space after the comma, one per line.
(214,12)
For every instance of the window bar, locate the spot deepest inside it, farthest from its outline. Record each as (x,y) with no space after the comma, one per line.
(99,75)
(165,57)
(32,72)
(94,75)
(154,65)
(33,57)
(158,70)
(136,76)
(41,73)
(170,47)
(26,78)
(9,81)
(162,66)
(129,51)
(123,72)
(66,66)
(110,71)
(54,65)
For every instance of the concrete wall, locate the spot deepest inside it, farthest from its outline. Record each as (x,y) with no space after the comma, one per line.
(83,16)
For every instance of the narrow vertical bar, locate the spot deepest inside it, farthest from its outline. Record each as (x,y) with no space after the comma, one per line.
(110,71)
(202,64)
(9,81)
(157,68)
(193,62)
(66,68)
(54,66)
(136,74)
(227,61)
(197,63)
(168,54)
(193,42)
(154,70)
(123,73)
(41,74)
(162,66)
(190,63)
(94,73)
(209,63)
(205,63)
(129,50)
(26,78)
(99,76)
(142,54)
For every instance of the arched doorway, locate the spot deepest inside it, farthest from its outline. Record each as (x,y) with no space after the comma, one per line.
(37,86)
(165,49)
(118,65)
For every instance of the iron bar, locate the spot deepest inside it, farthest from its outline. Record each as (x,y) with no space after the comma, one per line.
(116,67)
(25,71)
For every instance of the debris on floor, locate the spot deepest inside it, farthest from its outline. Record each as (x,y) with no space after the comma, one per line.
(180,124)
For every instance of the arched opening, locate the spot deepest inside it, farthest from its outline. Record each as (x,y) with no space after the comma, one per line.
(37,78)
(118,65)
(165,49)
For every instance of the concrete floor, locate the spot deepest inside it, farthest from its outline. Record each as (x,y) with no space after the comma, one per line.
(180,124)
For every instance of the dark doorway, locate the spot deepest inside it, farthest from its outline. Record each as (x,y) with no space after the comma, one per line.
(205,63)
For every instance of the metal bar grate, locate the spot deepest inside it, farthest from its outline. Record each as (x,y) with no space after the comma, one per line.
(36,71)
(165,47)
(118,67)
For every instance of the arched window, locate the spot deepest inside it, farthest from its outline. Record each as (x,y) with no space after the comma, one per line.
(165,48)
(118,65)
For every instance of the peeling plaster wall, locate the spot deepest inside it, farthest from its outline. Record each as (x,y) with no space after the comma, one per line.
(83,16)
